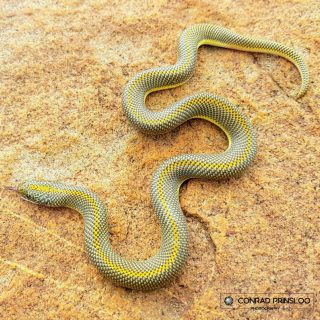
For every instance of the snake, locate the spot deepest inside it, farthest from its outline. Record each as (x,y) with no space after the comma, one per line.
(158,270)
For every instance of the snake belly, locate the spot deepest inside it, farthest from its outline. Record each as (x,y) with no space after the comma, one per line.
(167,262)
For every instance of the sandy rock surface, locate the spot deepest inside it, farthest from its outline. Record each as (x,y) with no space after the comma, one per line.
(63,65)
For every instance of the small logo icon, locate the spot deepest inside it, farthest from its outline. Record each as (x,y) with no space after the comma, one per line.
(228,301)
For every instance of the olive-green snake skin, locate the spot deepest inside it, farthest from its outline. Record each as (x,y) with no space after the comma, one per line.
(159,269)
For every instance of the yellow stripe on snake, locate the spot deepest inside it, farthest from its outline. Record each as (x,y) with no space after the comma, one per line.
(159,269)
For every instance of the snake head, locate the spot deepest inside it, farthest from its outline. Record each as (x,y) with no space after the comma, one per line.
(40,192)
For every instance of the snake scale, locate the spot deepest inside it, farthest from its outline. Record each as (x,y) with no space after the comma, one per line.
(166,263)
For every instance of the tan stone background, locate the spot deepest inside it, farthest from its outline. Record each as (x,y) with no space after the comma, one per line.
(63,65)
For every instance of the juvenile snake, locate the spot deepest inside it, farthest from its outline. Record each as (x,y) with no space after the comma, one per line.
(159,269)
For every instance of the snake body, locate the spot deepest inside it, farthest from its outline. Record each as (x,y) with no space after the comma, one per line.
(159,269)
